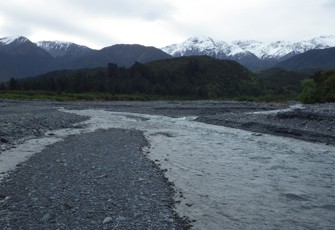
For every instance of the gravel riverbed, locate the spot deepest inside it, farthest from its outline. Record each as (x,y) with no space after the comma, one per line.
(103,179)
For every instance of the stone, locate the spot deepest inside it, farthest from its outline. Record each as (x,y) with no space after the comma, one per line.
(3,148)
(107,220)
(39,132)
(46,217)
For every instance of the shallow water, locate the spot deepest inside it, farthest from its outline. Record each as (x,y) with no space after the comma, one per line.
(231,179)
(227,178)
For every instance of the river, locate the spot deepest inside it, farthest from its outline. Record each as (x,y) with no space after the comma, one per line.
(224,178)
(233,179)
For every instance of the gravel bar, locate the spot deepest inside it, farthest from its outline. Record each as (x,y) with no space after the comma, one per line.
(100,180)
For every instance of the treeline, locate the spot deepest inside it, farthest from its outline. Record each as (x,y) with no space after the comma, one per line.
(198,77)
(194,77)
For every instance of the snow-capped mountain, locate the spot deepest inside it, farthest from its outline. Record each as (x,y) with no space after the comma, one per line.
(60,49)
(19,57)
(247,52)
(204,46)
(11,40)
(285,49)
(217,49)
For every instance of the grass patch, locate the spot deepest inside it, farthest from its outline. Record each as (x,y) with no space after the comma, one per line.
(44,95)
(91,96)
(96,96)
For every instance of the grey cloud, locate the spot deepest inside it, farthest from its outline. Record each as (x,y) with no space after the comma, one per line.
(25,20)
(27,24)
(144,9)
(330,4)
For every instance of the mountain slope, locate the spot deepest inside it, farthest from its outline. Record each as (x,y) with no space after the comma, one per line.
(311,60)
(126,55)
(122,55)
(19,57)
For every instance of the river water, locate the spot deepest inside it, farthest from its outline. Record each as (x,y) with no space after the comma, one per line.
(233,179)
(228,178)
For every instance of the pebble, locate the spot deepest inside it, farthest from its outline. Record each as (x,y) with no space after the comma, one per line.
(3,140)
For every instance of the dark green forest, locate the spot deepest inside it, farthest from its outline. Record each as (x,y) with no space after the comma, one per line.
(199,77)
(319,88)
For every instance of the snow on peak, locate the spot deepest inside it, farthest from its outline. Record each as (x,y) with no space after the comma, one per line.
(276,50)
(323,41)
(9,40)
(202,40)
(50,45)
(203,45)
(59,48)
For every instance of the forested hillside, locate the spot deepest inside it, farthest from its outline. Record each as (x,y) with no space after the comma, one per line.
(198,77)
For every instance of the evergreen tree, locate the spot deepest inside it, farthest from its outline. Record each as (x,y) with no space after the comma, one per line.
(12,85)
(112,70)
(2,86)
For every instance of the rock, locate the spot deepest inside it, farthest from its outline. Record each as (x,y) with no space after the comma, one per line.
(46,217)
(257,134)
(107,220)
(189,205)
(2,196)
(39,132)
(3,140)
(3,148)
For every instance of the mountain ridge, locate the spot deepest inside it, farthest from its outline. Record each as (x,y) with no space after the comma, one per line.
(19,57)
(60,48)
(253,54)
(262,50)
(311,61)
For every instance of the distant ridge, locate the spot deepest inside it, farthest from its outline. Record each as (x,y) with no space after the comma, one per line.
(311,61)
(252,54)
(19,57)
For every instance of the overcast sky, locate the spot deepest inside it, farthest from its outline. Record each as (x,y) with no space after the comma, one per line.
(101,23)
